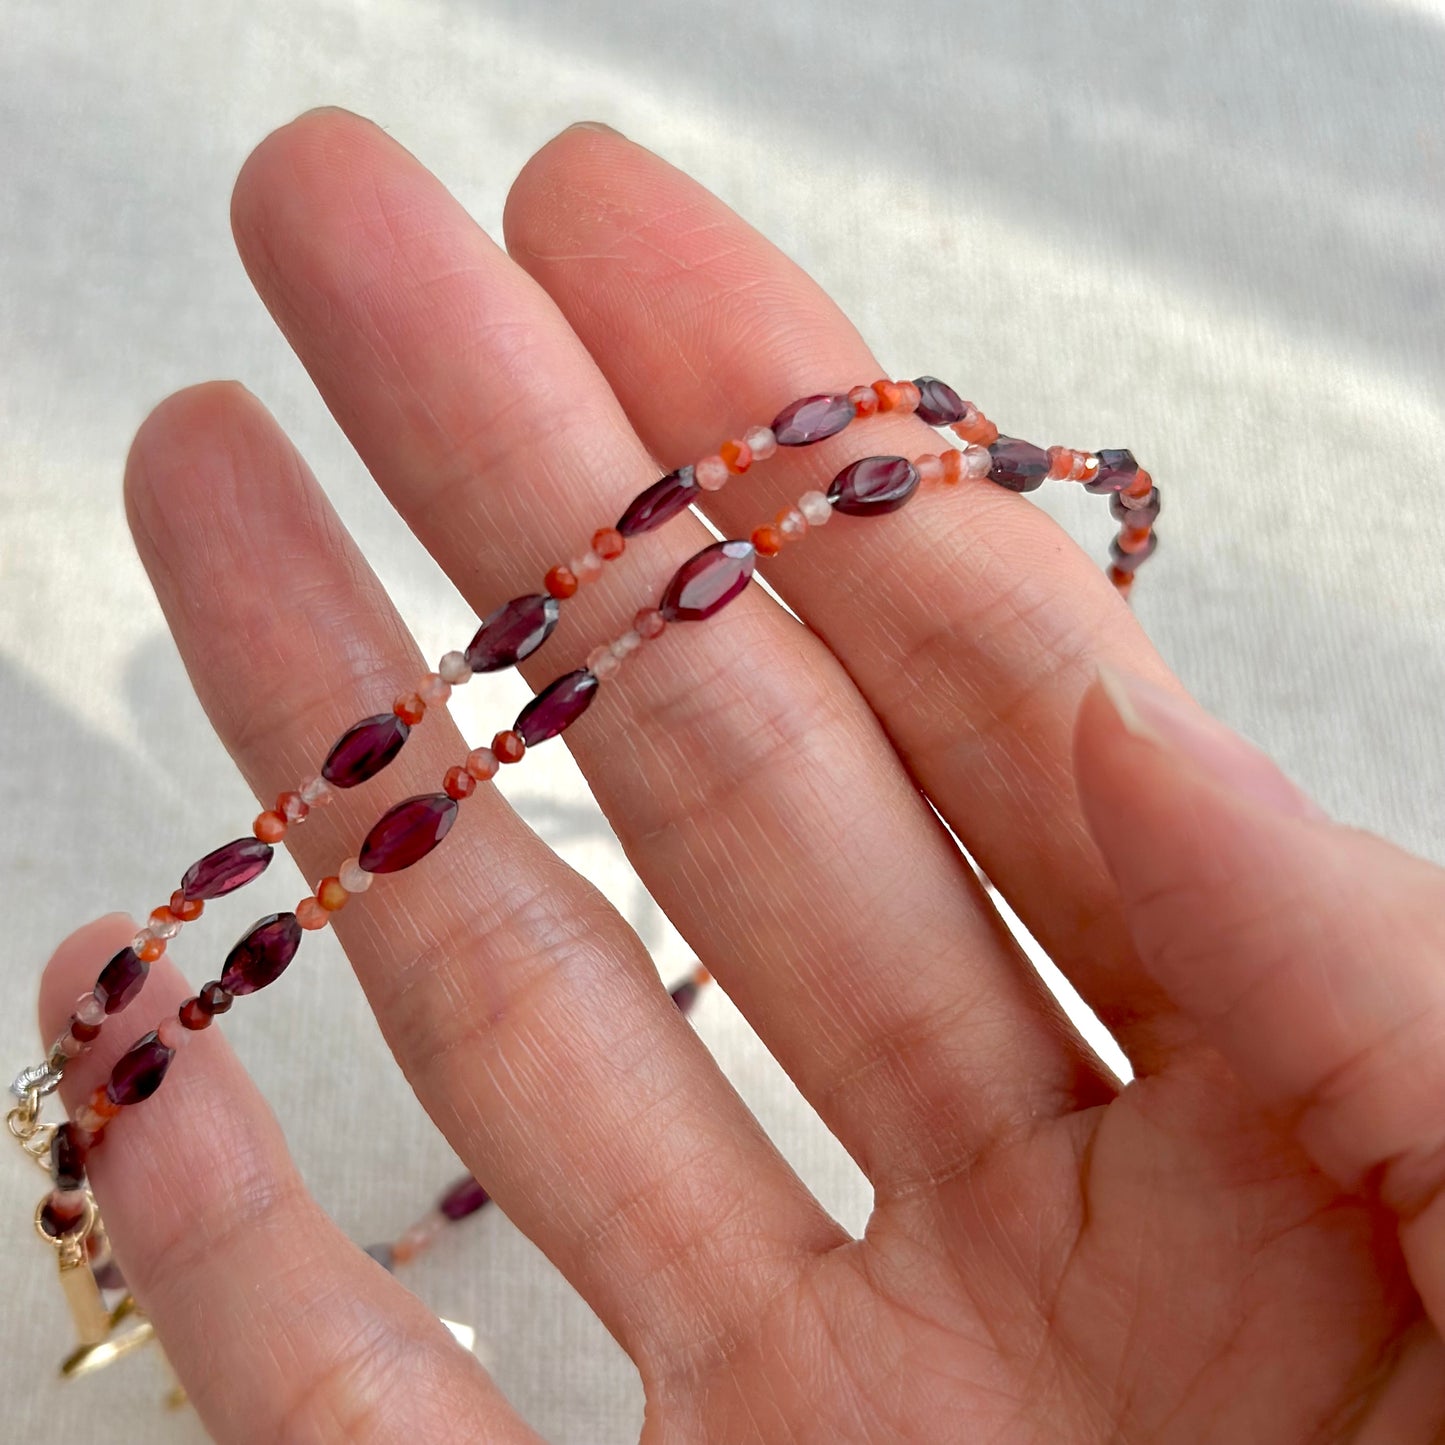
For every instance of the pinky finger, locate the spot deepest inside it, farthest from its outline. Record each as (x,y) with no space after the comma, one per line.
(278,1327)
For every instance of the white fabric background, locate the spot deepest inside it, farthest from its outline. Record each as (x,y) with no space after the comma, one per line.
(1209,231)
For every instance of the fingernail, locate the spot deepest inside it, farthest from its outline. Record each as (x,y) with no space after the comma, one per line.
(595,125)
(1181,727)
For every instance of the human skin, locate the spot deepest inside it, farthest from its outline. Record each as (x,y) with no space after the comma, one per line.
(1245,1243)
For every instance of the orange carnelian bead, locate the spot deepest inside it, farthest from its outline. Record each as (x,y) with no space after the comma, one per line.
(889,394)
(561,582)
(101,1103)
(911,396)
(311,915)
(269,827)
(952,461)
(151,950)
(737,455)
(508,746)
(292,806)
(1121,579)
(331,894)
(608,543)
(1061,463)
(409,708)
(1141,486)
(767,540)
(1133,539)
(864,399)
(161,917)
(977,429)
(186,909)
(459,783)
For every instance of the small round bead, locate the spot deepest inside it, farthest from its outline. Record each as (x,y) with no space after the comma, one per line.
(354,878)
(608,543)
(1061,463)
(1121,579)
(1134,539)
(737,455)
(767,540)
(792,525)
(163,923)
(929,468)
(68,1046)
(587,567)
(508,746)
(148,948)
(864,399)
(976,462)
(434,690)
(293,807)
(419,1237)
(186,909)
(332,894)
(711,473)
(91,1121)
(649,623)
(1085,468)
(761,442)
(269,827)
(950,464)
(100,1102)
(193,1016)
(458,783)
(90,1010)
(1141,486)
(481,764)
(316,792)
(172,1032)
(311,915)
(816,507)
(890,395)
(409,708)
(455,668)
(627,644)
(82,1032)
(910,396)
(560,582)
(214,997)
(602,664)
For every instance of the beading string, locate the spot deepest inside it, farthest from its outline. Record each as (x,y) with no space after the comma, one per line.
(407,832)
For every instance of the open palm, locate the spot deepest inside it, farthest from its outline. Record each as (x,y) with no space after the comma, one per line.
(1214,1252)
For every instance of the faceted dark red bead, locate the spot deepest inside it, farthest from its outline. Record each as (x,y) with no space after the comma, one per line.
(708,581)
(1132,561)
(121,979)
(67,1157)
(262,955)
(1018,465)
(227,869)
(514,631)
(556,707)
(663,500)
(812,418)
(1144,515)
(465,1197)
(406,833)
(214,998)
(57,1221)
(140,1072)
(361,752)
(1117,468)
(938,403)
(873,486)
(685,995)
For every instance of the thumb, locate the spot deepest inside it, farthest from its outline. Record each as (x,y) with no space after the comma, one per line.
(1311,955)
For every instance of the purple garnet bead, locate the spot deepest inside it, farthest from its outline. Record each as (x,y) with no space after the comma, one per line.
(121,979)
(406,833)
(465,1197)
(363,751)
(1132,561)
(139,1073)
(938,403)
(262,955)
(708,581)
(874,485)
(226,870)
(514,631)
(662,501)
(556,707)
(1117,468)
(1019,466)
(67,1157)
(812,419)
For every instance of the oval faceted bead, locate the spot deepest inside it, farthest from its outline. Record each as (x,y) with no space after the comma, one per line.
(1020,466)
(872,486)
(938,403)
(708,581)
(262,955)
(121,979)
(812,419)
(361,752)
(1117,468)
(139,1073)
(514,631)
(556,707)
(406,833)
(663,500)
(227,869)
(465,1197)
(67,1157)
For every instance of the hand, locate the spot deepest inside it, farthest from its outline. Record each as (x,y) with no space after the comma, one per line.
(1246,1243)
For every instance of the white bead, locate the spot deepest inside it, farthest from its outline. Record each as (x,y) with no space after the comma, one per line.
(711,473)
(172,1032)
(815,507)
(71,1047)
(353,877)
(164,930)
(89,1120)
(602,662)
(455,669)
(761,442)
(792,524)
(627,644)
(316,792)
(89,1009)
(587,567)
(142,938)
(976,461)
